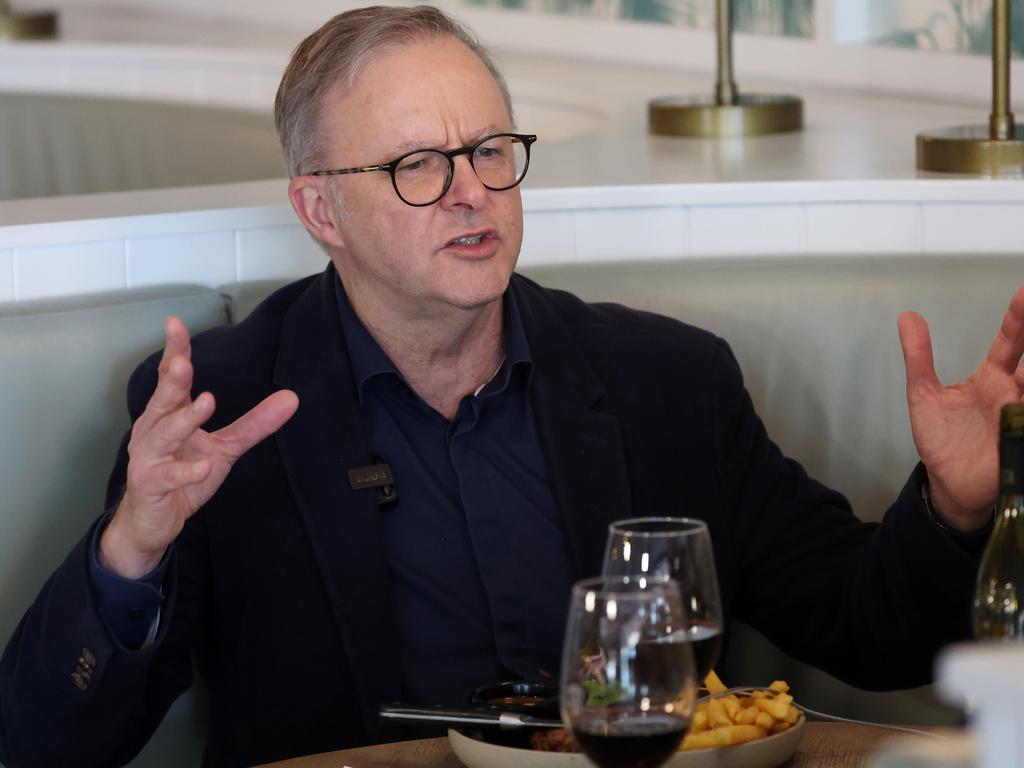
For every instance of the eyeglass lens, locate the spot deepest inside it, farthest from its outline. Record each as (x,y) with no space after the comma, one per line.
(499,162)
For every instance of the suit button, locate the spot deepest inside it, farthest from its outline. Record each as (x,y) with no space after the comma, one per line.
(89,657)
(80,682)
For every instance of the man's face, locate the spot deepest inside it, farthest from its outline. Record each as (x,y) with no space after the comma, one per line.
(432,94)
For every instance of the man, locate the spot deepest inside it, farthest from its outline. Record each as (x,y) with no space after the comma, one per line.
(517,421)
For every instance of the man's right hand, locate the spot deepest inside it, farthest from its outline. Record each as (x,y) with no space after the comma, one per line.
(174,467)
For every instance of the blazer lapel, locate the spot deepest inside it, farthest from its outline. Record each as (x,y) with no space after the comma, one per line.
(318,446)
(582,445)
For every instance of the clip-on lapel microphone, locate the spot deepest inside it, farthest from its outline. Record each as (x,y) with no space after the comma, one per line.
(378,475)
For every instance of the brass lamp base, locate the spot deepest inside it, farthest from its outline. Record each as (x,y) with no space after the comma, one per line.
(971,149)
(749,115)
(28,26)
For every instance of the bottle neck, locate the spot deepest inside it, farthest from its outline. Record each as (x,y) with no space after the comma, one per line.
(1011,464)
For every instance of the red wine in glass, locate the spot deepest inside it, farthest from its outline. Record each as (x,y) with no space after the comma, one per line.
(632,741)
(628,682)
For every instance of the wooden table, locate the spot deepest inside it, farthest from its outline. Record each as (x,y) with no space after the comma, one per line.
(824,745)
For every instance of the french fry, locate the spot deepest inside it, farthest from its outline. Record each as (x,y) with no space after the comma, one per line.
(700,720)
(732,706)
(726,736)
(724,721)
(777,709)
(746,716)
(718,717)
(714,683)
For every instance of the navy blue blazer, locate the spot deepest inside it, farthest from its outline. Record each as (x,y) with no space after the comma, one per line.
(279,588)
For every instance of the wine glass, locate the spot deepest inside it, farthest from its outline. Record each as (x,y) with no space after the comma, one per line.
(628,683)
(680,548)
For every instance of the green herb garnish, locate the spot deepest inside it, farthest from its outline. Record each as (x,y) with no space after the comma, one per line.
(602,694)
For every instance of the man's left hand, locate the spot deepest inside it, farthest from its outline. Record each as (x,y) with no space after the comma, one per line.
(956,428)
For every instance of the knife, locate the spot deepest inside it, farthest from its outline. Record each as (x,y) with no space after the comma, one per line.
(464,716)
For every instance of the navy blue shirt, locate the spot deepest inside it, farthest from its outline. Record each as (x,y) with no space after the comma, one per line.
(474,546)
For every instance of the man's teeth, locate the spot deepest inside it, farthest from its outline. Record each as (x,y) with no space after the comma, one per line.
(469,240)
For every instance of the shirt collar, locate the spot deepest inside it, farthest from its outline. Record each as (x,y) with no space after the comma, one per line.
(369,360)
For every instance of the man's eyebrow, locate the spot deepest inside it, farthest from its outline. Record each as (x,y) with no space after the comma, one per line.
(411,146)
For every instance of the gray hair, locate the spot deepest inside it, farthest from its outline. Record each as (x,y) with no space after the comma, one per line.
(341,48)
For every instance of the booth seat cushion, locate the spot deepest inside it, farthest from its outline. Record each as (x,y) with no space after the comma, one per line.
(65,365)
(817,342)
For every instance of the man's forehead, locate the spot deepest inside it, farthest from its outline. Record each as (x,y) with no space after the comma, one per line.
(425,94)
(473,136)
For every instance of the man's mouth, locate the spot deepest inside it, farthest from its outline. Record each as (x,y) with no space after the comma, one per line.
(471,238)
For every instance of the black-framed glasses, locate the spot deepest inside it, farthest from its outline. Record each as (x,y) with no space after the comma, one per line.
(423,176)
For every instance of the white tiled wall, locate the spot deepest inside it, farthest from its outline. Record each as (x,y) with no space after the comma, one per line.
(271,252)
(620,234)
(215,247)
(548,238)
(747,230)
(68,269)
(207,258)
(864,228)
(958,228)
(6,276)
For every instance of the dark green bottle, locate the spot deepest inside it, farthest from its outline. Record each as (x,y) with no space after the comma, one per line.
(999,596)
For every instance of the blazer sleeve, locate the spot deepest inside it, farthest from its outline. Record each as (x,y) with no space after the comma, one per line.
(70,693)
(871,603)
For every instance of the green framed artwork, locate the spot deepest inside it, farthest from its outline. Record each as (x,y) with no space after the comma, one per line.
(787,18)
(960,26)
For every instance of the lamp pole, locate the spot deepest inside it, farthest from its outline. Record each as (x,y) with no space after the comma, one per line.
(26,26)
(996,149)
(727,112)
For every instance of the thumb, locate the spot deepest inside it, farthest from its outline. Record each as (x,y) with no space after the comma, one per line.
(917,352)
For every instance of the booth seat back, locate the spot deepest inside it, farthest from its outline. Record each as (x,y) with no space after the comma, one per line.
(64,366)
(816,340)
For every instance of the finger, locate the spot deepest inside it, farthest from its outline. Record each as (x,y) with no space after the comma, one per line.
(256,425)
(172,392)
(176,340)
(167,477)
(1008,346)
(170,433)
(916,342)
(174,381)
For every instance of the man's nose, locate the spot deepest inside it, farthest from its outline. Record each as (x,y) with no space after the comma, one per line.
(466,188)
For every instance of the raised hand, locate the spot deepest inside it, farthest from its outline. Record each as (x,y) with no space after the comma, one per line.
(956,428)
(174,466)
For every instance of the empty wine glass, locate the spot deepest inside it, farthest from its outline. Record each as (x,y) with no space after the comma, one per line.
(680,548)
(628,682)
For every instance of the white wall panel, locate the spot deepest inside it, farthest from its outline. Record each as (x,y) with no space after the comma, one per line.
(6,275)
(966,228)
(204,259)
(747,230)
(868,228)
(103,78)
(265,253)
(619,234)
(68,269)
(172,83)
(548,238)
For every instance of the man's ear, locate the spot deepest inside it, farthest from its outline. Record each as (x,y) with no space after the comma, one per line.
(311,199)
